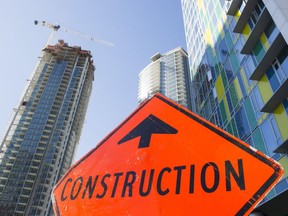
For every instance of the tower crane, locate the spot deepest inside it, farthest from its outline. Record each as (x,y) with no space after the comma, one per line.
(56,28)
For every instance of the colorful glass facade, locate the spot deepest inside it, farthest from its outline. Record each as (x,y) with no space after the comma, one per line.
(239,68)
(39,145)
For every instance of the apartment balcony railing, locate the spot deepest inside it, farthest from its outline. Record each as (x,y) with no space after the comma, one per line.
(276,98)
(283,148)
(269,57)
(233,7)
(256,32)
(244,16)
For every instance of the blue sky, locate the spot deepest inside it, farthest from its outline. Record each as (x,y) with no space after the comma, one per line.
(138,28)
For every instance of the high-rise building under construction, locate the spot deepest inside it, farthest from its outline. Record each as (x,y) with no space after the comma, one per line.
(238,58)
(40,142)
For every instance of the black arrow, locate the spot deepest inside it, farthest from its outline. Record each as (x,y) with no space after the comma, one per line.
(150,125)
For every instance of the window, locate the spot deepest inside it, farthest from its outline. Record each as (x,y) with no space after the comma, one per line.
(256,14)
(223,50)
(257,101)
(279,72)
(271,134)
(231,28)
(247,73)
(258,141)
(271,31)
(273,79)
(250,114)
(238,46)
(258,51)
(285,104)
(283,59)
(223,111)
(242,124)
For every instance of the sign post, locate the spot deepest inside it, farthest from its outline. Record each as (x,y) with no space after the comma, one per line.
(165,160)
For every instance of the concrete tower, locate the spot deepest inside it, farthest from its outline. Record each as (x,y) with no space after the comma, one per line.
(39,144)
(167,74)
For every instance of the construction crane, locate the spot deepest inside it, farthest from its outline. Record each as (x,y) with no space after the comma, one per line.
(56,27)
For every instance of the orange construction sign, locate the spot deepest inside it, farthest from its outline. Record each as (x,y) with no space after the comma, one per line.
(165,160)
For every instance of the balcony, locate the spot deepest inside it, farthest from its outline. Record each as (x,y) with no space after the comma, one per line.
(269,57)
(283,148)
(233,7)
(256,32)
(276,98)
(245,15)
(275,206)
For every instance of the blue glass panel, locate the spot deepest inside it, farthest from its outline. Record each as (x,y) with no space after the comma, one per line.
(229,102)
(223,50)
(241,85)
(283,59)
(242,124)
(228,69)
(281,186)
(285,104)
(219,116)
(273,80)
(269,136)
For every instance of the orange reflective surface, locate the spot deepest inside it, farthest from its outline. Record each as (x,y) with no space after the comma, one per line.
(165,160)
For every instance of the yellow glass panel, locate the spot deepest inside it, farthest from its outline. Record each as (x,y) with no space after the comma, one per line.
(263,117)
(226,108)
(284,162)
(237,14)
(238,89)
(208,37)
(265,89)
(201,5)
(219,88)
(220,27)
(264,41)
(282,121)
(246,31)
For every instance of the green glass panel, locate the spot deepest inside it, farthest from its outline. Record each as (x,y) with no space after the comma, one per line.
(250,114)
(258,141)
(234,62)
(259,51)
(224,78)
(223,111)
(229,128)
(233,95)
(229,40)
(218,8)
(218,67)
(211,26)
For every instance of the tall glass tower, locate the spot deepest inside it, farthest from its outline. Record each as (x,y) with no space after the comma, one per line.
(167,74)
(239,68)
(39,145)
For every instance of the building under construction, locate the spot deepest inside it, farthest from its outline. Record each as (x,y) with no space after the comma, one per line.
(40,142)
